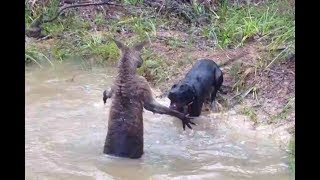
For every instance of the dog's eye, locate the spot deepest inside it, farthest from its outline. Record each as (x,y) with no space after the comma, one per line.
(174,86)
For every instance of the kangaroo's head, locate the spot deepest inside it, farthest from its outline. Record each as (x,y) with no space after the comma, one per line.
(131,54)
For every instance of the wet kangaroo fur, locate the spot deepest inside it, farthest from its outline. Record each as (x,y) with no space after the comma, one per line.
(130,94)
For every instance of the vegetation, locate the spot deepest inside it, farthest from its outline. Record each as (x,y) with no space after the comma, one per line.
(192,28)
(231,26)
(87,33)
(292,155)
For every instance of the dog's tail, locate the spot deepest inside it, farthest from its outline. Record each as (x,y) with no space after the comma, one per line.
(227,62)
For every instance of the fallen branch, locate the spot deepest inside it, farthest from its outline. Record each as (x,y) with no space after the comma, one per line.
(247,92)
(78,5)
(35,29)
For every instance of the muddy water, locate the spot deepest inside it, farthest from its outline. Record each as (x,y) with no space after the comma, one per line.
(66,125)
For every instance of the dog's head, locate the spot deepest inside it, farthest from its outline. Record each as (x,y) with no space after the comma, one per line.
(181,96)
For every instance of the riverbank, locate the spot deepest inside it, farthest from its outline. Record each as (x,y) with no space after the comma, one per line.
(259,85)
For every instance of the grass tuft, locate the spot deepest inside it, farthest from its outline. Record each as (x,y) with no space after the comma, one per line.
(267,21)
(272,23)
(251,113)
(292,155)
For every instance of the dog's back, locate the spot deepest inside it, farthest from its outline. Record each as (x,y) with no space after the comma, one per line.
(202,81)
(204,71)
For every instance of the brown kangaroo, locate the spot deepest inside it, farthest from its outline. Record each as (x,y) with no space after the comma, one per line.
(131,93)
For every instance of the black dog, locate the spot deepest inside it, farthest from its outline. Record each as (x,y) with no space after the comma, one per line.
(202,81)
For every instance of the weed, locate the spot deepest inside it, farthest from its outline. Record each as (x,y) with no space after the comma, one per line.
(51,9)
(239,23)
(143,27)
(190,42)
(286,110)
(187,59)
(153,68)
(250,112)
(74,22)
(97,45)
(34,55)
(284,113)
(292,155)
(99,19)
(59,52)
(53,29)
(133,2)
(271,22)
(109,52)
(28,16)
(196,13)
(174,42)
(238,76)
(147,26)
(198,9)
(47,8)
(209,32)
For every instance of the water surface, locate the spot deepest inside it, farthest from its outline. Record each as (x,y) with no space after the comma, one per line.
(66,125)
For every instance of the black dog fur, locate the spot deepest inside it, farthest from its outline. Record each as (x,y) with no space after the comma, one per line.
(203,80)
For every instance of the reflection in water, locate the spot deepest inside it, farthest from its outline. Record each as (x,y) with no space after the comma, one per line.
(66,125)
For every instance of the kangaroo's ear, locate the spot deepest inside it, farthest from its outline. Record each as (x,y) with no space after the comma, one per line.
(139,46)
(120,45)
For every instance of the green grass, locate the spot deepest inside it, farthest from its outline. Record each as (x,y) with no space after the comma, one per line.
(154,67)
(238,74)
(251,113)
(78,40)
(49,10)
(292,155)
(272,22)
(61,51)
(141,26)
(285,111)
(133,2)
(174,42)
(99,19)
(209,32)
(34,55)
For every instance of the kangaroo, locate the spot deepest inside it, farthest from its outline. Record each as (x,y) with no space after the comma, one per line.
(130,94)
